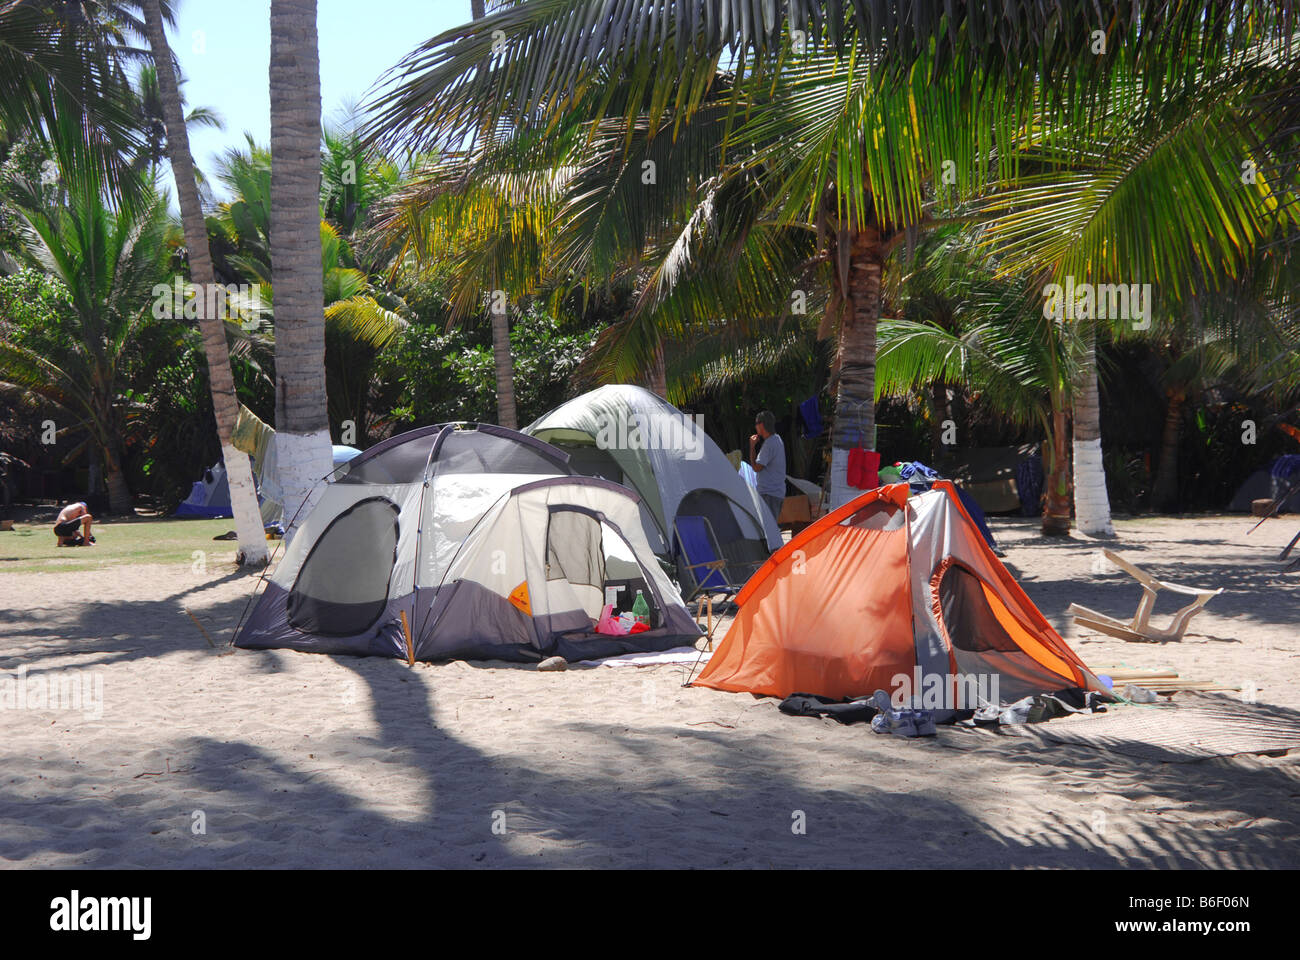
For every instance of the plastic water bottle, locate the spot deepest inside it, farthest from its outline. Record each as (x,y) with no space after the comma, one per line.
(641,609)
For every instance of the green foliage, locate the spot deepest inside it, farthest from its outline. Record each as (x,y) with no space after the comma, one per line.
(90,346)
(35,309)
(447,375)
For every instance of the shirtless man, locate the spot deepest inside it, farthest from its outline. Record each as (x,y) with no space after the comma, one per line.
(65,526)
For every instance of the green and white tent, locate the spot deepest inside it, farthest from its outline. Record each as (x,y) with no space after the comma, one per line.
(629,435)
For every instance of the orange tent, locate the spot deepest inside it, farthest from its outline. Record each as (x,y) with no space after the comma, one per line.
(899,593)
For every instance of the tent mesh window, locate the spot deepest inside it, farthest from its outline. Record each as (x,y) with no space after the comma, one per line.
(877,515)
(467,451)
(462,451)
(973,615)
(342,588)
(592,461)
(573,549)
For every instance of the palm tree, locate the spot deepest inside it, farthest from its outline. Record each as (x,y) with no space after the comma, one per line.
(109,261)
(301,415)
(1156,196)
(355,181)
(1244,338)
(842,144)
(221,380)
(963,324)
(493,234)
(785,201)
(360,316)
(152,114)
(499,311)
(63,81)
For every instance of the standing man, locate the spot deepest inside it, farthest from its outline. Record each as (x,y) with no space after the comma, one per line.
(769,462)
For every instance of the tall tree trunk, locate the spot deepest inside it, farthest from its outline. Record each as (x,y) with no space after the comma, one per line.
(507,416)
(119,494)
(225,403)
(855,398)
(301,418)
(1056,504)
(106,440)
(1164,493)
(1091,502)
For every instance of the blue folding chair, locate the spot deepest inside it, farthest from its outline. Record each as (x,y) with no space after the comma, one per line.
(706,567)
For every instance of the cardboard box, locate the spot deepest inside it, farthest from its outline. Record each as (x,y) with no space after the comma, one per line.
(796,510)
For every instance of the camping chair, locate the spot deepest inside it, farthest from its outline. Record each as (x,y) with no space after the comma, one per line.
(708,569)
(1140,628)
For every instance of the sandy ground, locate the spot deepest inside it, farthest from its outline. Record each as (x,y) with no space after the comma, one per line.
(209,758)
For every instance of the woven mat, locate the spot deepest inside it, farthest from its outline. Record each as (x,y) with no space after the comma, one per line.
(1195,726)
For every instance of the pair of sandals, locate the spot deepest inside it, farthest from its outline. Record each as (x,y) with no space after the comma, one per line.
(901,723)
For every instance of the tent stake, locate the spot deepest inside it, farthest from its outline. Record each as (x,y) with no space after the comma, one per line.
(410,650)
(200,626)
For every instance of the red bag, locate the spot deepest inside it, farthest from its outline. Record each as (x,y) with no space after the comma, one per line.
(864,469)
(855,468)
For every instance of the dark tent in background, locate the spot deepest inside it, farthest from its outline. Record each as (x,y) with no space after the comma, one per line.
(992,476)
(1269,484)
(210,496)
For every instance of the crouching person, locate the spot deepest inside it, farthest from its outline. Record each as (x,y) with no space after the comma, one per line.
(71,518)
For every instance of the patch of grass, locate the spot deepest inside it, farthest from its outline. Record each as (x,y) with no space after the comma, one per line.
(29,548)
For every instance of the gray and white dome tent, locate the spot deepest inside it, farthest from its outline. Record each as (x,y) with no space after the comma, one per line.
(483,539)
(632,436)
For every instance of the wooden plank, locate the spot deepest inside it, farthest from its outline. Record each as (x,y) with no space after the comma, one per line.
(1116,673)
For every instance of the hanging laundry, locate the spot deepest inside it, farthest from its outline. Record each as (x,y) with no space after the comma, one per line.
(810,414)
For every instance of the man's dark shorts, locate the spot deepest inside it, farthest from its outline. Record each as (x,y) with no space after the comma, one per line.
(67,528)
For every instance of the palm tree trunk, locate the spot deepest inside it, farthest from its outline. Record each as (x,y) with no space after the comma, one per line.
(855,398)
(1164,493)
(119,494)
(507,416)
(302,421)
(1091,503)
(1056,504)
(106,438)
(225,403)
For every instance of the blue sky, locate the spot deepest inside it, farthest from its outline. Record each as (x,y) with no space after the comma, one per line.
(224,50)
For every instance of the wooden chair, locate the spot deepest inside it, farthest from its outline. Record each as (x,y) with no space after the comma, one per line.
(1140,628)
